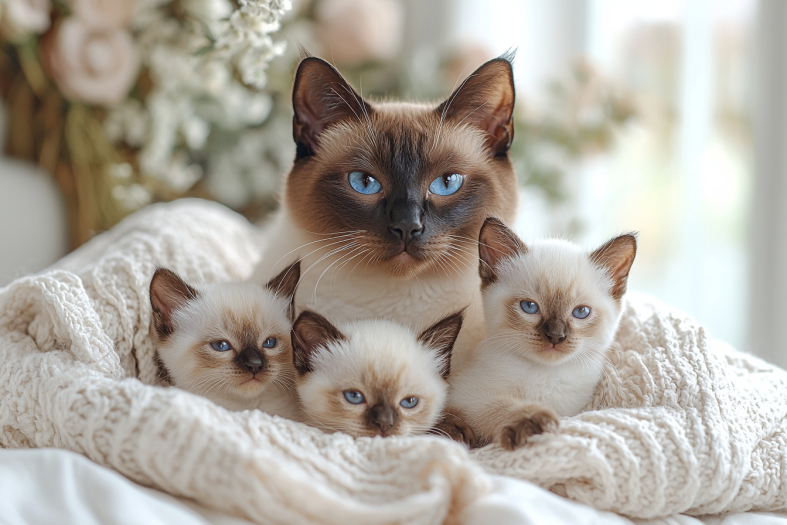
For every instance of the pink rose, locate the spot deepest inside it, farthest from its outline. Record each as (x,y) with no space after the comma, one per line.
(19,18)
(103,14)
(91,65)
(355,31)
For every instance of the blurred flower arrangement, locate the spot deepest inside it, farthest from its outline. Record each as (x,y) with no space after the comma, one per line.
(127,102)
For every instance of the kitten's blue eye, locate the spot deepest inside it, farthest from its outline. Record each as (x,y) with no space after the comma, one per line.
(446,184)
(409,402)
(581,312)
(221,346)
(354,397)
(269,342)
(364,183)
(529,307)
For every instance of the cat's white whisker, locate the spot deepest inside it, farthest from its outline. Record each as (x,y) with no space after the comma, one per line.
(334,237)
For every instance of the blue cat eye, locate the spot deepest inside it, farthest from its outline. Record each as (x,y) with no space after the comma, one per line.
(409,402)
(269,342)
(354,397)
(364,183)
(581,312)
(447,184)
(529,307)
(220,346)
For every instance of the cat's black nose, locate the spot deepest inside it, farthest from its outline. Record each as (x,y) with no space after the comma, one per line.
(406,221)
(251,360)
(383,417)
(555,331)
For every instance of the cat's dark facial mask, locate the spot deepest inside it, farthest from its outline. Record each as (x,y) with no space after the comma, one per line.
(412,182)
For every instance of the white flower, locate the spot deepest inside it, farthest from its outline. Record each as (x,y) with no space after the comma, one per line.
(253,61)
(195,132)
(206,74)
(103,14)
(91,65)
(132,197)
(208,11)
(246,37)
(128,122)
(19,18)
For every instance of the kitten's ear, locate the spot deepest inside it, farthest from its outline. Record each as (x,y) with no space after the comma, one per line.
(485,100)
(496,242)
(310,332)
(168,293)
(616,256)
(285,284)
(441,337)
(321,97)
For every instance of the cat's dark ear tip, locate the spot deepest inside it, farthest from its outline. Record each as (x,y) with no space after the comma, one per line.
(165,274)
(509,55)
(162,271)
(629,238)
(493,223)
(310,63)
(303,53)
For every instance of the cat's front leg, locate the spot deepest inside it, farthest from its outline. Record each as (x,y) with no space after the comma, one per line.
(453,426)
(517,422)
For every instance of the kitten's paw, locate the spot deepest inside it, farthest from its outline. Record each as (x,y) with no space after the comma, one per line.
(453,427)
(538,421)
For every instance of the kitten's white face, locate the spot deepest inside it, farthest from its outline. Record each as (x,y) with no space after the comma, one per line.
(375,378)
(231,343)
(228,342)
(552,304)
(552,301)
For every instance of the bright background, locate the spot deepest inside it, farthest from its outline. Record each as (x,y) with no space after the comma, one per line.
(697,172)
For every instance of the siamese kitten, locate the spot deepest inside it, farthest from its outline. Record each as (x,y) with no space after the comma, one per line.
(385,200)
(372,377)
(229,342)
(552,311)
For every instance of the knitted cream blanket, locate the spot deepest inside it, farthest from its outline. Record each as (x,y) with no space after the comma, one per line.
(682,424)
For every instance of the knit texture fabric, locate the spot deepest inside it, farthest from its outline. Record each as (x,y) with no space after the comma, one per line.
(682,423)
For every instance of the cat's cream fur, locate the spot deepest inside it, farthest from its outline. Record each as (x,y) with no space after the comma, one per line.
(355,265)
(523,376)
(383,361)
(189,318)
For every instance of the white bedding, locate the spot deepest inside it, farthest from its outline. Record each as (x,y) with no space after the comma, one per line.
(682,424)
(51,486)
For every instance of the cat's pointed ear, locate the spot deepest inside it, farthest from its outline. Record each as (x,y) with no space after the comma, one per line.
(485,100)
(310,332)
(321,97)
(616,256)
(285,284)
(441,337)
(168,293)
(496,242)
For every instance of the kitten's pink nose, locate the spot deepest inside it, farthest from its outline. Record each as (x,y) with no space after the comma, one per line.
(555,331)
(383,417)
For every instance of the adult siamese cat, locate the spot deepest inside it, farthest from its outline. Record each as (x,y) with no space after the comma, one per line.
(385,199)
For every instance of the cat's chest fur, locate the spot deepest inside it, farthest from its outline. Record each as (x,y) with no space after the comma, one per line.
(566,388)
(345,289)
